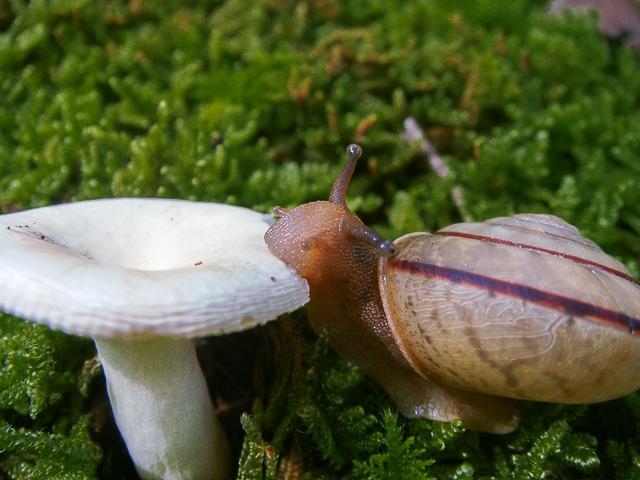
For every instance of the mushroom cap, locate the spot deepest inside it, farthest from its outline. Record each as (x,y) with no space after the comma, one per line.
(141,267)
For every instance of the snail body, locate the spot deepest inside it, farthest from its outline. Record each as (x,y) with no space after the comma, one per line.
(463,323)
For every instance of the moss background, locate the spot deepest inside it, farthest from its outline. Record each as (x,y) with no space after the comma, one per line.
(252,103)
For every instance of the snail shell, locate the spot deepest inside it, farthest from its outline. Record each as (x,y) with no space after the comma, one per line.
(521,307)
(462,323)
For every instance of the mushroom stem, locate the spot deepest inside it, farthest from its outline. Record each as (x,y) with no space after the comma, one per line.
(162,407)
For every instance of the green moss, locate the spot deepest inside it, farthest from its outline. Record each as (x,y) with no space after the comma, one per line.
(345,427)
(43,422)
(399,459)
(253,105)
(33,454)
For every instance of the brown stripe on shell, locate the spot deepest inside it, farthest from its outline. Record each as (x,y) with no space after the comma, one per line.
(568,305)
(574,258)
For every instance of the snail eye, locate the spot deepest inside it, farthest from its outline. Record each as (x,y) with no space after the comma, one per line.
(386,248)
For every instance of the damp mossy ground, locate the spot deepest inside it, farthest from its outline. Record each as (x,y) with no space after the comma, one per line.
(252,103)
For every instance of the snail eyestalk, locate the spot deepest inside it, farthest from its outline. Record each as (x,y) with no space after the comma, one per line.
(384,248)
(279,212)
(339,190)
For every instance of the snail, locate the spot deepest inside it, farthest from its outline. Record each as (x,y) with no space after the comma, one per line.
(466,322)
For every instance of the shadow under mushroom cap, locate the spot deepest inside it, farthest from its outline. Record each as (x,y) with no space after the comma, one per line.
(122,267)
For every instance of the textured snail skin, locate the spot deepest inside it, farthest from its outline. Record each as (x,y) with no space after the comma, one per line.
(462,323)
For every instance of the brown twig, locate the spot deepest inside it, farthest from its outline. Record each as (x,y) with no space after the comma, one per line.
(413,133)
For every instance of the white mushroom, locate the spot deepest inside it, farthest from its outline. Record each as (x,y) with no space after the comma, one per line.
(143,277)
